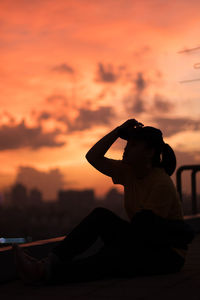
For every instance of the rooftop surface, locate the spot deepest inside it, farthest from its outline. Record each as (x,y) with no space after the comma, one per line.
(183,285)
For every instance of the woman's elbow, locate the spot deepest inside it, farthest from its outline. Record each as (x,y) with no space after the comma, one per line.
(89,157)
(93,160)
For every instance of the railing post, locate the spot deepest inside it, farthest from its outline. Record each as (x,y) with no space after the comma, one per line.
(178,182)
(194,195)
(195,169)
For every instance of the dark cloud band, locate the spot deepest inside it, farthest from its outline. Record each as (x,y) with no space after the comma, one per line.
(20,136)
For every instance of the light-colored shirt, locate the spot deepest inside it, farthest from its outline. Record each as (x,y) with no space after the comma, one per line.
(156,191)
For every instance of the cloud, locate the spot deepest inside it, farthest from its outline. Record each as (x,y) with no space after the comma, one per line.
(20,136)
(187,158)
(161,104)
(103,93)
(140,83)
(60,117)
(48,182)
(171,126)
(44,116)
(135,102)
(138,105)
(57,98)
(106,74)
(63,68)
(8,116)
(141,52)
(88,118)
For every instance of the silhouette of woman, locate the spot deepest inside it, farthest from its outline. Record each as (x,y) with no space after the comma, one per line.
(153,241)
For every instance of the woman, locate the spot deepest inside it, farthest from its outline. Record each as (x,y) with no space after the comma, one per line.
(153,241)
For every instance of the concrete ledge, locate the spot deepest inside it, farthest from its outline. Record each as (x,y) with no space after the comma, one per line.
(40,249)
(194,222)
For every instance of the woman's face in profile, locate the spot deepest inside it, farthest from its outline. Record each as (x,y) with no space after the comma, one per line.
(136,151)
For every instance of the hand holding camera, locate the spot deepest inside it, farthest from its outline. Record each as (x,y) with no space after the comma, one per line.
(131,123)
(127,127)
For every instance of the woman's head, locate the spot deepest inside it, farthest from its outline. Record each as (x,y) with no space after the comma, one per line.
(137,153)
(145,145)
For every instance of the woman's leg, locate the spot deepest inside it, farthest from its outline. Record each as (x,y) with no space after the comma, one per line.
(142,261)
(154,260)
(93,267)
(102,223)
(162,260)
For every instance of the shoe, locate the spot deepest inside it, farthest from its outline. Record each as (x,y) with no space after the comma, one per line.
(30,270)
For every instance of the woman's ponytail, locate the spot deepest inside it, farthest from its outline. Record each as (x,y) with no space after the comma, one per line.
(168,159)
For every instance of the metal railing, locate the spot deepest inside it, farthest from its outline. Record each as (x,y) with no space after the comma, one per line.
(194,169)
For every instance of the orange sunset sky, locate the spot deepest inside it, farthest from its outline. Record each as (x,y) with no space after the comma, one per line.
(73,70)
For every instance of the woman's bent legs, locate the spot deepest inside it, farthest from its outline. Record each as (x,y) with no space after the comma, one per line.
(143,262)
(94,267)
(122,254)
(102,223)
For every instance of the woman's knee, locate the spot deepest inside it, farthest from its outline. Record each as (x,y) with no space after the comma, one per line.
(105,216)
(100,211)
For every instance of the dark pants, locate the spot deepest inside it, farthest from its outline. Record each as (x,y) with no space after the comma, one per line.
(122,254)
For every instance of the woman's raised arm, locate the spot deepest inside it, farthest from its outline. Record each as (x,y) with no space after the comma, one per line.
(95,156)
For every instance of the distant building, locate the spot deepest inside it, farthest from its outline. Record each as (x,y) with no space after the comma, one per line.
(19,194)
(1,199)
(35,196)
(76,199)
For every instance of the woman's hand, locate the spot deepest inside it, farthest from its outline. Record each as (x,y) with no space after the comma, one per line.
(130,124)
(126,128)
